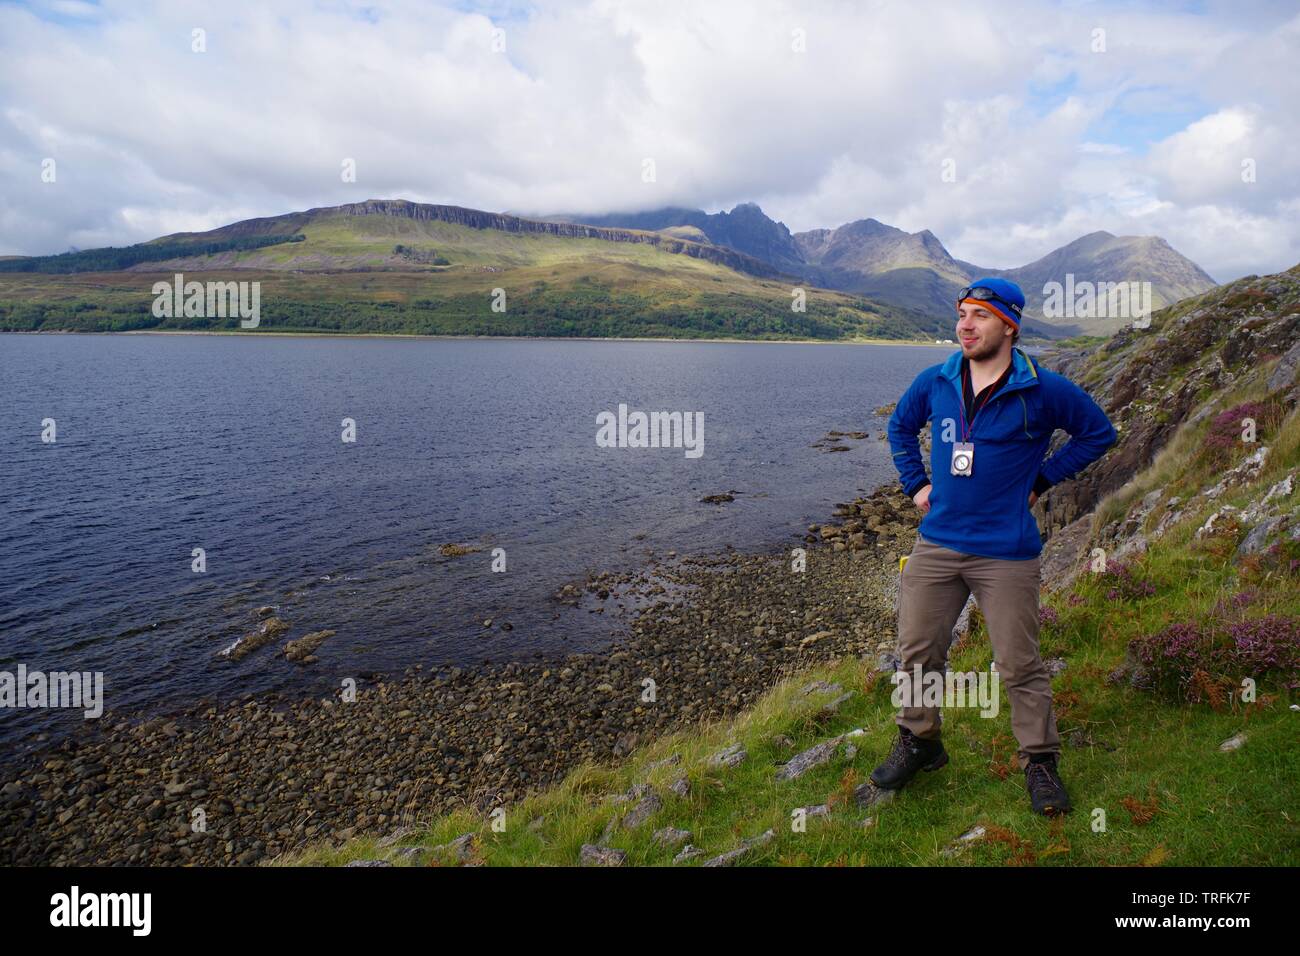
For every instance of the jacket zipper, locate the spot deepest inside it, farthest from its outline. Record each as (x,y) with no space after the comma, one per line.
(1005,391)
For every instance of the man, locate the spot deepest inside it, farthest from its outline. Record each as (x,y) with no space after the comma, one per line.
(993,410)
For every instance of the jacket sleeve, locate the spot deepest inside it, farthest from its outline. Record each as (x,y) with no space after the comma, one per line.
(910,415)
(1091,432)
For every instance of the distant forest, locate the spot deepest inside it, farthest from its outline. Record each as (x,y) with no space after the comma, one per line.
(588,312)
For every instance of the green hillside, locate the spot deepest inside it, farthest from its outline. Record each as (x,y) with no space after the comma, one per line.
(395,273)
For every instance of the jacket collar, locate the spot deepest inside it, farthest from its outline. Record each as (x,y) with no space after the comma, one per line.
(1024,371)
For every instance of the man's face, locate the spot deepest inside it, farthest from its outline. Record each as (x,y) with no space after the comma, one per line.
(980,332)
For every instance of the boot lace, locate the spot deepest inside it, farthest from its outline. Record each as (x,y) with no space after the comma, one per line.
(1042,778)
(898,756)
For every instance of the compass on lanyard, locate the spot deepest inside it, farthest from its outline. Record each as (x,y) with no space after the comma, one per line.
(963,452)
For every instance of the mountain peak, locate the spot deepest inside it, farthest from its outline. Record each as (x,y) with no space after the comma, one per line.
(869,226)
(746,228)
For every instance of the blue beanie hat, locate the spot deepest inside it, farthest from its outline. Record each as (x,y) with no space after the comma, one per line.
(1007,291)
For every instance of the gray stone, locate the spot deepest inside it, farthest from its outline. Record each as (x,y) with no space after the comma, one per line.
(1284,374)
(869,795)
(671,836)
(821,686)
(962,627)
(966,839)
(648,806)
(801,763)
(397,836)
(814,638)
(688,852)
(834,705)
(731,757)
(591,855)
(461,847)
(887,663)
(1259,536)
(1208,527)
(814,756)
(1281,489)
(634,792)
(731,856)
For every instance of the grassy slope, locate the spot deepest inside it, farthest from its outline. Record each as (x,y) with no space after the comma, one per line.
(1147,756)
(554,285)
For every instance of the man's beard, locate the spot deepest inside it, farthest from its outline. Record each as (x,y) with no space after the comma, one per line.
(988,349)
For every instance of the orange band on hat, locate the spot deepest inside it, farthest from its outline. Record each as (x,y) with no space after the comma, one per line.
(988,304)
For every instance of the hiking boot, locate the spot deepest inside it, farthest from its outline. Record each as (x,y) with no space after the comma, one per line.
(1046,792)
(910,754)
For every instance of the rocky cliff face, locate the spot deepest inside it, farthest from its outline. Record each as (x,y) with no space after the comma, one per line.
(746,228)
(478,219)
(1151,381)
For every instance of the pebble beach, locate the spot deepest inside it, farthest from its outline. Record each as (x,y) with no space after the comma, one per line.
(264,775)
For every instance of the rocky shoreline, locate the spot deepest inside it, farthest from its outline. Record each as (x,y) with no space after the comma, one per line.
(237,784)
(268,774)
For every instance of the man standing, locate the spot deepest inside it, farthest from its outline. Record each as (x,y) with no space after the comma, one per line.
(993,410)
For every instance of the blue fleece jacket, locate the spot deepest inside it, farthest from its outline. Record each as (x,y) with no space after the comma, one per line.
(987,513)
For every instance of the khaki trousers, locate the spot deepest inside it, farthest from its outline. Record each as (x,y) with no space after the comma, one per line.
(934,587)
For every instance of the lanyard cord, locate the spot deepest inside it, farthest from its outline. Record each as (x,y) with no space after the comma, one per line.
(965,432)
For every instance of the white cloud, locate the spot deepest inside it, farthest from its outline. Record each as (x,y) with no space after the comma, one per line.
(1105,149)
(151,137)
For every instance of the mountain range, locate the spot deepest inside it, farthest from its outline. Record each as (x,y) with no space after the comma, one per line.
(400,266)
(914,270)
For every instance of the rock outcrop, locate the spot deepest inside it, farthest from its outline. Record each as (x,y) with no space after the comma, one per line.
(478,219)
(1151,382)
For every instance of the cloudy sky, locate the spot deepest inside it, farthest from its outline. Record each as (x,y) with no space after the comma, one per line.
(1007,128)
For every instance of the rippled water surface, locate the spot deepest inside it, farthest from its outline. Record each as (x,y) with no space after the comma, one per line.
(168,443)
